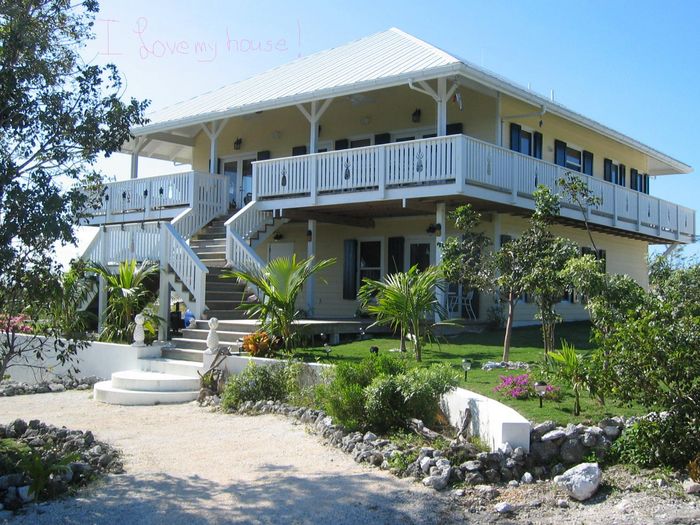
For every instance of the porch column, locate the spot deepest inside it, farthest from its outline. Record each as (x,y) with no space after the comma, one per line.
(311,252)
(216,128)
(313,115)
(441,96)
(440,218)
(496,231)
(139,145)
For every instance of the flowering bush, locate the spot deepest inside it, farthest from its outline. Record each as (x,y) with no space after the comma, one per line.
(521,387)
(18,324)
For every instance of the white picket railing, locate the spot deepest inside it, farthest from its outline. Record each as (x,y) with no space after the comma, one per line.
(191,271)
(239,228)
(455,161)
(151,198)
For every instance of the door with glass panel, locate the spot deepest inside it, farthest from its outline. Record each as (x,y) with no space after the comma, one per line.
(239,171)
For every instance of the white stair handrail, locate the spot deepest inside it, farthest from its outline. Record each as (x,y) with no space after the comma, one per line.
(188,267)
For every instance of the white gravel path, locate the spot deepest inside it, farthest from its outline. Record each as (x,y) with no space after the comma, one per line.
(188,466)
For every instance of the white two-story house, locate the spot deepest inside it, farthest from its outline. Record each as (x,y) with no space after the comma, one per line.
(358,153)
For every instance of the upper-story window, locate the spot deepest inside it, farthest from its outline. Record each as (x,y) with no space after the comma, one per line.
(573,157)
(525,141)
(614,172)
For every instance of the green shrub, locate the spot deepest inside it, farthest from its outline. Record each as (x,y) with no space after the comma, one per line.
(657,441)
(381,393)
(255,383)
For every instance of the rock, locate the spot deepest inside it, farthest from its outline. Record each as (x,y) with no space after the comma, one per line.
(95,451)
(487,491)
(572,451)
(443,463)
(513,483)
(554,435)
(10,480)
(105,460)
(581,481)
(439,481)
(473,478)
(518,454)
(527,478)
(471,466)
(16,429)
(589,439)
(558,469)
(624,506)
(24,494)
(492,476)
(544,452)
(540,430)
(504,507)
(57,387)
(369,437)
(457,493)
(426,463)
(562,504)
(691,487)
(611,431)
(505,448)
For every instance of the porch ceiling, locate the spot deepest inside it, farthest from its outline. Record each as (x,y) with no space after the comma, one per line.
(361,212)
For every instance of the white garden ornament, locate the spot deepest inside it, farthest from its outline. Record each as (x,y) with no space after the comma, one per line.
(212,337)
(139,332)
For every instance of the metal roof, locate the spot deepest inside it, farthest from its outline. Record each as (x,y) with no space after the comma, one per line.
(381,60)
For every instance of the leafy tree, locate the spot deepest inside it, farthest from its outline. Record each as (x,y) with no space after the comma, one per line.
(57,116)
(278,284)
(577,191)
(127,295)
(404,301)
(546,258)
(465,258)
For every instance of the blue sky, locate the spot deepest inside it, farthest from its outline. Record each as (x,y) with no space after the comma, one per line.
(632,65)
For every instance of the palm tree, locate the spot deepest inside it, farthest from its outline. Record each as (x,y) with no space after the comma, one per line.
(404,301)
(570,367)
(127,295)
(278,285)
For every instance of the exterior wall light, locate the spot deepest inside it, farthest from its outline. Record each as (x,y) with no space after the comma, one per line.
(435,228)
(237,143)
(415,116)
(309,235)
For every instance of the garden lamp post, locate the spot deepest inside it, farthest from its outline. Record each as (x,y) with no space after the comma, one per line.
(466,366)
(541,390)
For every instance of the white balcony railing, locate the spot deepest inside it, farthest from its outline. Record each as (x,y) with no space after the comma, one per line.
(453,165)
(161,197)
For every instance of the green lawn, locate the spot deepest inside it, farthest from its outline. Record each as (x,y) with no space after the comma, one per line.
(487,346)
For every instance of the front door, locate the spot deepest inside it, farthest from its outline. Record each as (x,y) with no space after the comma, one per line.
(239,170)
(420,253)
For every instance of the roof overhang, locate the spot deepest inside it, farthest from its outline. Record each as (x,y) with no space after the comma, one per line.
(174,139)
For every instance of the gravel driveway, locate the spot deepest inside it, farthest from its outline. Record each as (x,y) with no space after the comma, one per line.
(186,465)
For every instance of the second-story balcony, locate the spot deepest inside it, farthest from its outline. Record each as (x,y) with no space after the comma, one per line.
(160,198)
(456,166)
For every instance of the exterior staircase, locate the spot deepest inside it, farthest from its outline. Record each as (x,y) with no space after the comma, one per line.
(173,377)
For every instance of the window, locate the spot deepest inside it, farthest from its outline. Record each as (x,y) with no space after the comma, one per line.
(360,143)
(525,141)
(573,158)
(370,262)
(615,172)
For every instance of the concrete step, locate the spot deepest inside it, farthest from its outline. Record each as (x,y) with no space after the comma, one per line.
(225,304)
(184,354)
(211,235)
(212,248)
(230,325)
(142,381)
(201,344)
(195,333)
(226,314)
(171,366)
(105,392)
(217,295)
